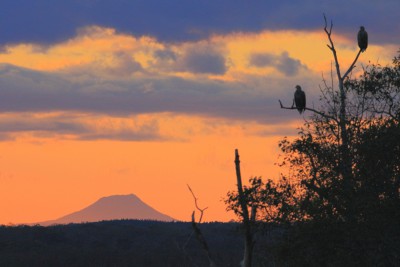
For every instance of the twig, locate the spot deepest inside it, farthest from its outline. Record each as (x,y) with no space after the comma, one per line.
(197,206)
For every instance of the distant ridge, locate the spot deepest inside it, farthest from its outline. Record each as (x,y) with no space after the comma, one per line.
(112,208)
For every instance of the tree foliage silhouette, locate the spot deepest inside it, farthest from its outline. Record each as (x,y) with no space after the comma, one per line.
(342,197)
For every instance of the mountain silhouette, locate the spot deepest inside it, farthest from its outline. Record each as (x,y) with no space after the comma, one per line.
(112,208)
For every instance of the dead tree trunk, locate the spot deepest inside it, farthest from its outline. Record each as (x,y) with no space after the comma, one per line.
(248,238)
(345,163)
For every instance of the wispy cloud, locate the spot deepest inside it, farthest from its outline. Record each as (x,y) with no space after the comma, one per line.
(160,127)
(77,126)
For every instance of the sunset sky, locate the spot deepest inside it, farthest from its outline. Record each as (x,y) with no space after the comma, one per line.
(100,97)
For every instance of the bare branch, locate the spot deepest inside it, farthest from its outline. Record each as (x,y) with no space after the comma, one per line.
(312,110)
(202,241)
(326,25)
(352,66)
(197,206)
(198,233)
(332,46)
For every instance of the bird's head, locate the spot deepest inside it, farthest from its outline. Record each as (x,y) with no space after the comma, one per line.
(362,28)
(298,87)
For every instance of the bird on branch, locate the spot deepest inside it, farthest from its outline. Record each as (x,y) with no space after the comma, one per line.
(300,99)
(362,38)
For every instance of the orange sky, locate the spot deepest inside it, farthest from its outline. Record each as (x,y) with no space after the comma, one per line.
(45,174)
(47,179)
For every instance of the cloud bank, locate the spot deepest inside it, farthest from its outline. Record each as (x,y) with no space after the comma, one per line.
(31,91)
(103,73)
(46,21)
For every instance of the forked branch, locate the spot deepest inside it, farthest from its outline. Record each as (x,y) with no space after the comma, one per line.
(197,206)
(199,235)
(332,48)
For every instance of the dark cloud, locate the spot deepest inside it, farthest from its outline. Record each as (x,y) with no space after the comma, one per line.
(72,126)
(48,21)
(118,64)
(203,60)
(164,60)
(14,124)
(6,137)
(198,58)
(125,135)
(288,65)
(4,49)
(165,55)
(31,124)
(262,60)
(283,63)
(124,64)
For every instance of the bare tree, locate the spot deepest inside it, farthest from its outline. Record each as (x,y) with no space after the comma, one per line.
(340,118)
(339,203)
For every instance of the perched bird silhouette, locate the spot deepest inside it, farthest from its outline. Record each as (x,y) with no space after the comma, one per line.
(300,99)
(362,38)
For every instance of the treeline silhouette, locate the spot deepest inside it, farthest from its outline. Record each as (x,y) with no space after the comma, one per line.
(123,243)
